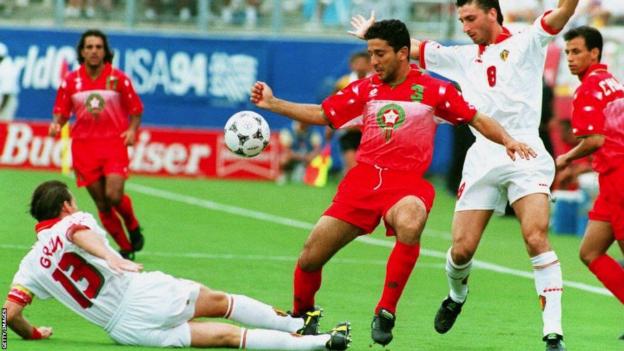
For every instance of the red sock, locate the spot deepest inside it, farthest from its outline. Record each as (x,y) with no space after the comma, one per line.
(112,224)
(610,273)
(127,213)
(306,285)
(399,267)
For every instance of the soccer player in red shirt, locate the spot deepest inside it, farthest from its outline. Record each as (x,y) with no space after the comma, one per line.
(598,121)
(396,107)
(102,98)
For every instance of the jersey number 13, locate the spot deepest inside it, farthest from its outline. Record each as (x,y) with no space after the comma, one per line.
(80,269)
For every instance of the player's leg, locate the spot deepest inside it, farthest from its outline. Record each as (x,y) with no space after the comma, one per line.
(108,217)
(210,334)
(328,236)
(597,240)
(407,219)
(122,204)
(467,229)
(533,211)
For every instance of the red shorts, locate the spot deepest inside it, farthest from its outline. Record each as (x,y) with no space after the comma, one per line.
(609,205)
(96,158)
(366,193)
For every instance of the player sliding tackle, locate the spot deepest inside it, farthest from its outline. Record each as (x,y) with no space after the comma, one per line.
(73,263)
(502,75)
(397,106)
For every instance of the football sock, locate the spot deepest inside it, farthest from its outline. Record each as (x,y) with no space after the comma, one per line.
(610,273)
(124,208)
(457,276)
(264,339)
(246,310)
(549,287)
(112,224)
(306,284)
(398,269)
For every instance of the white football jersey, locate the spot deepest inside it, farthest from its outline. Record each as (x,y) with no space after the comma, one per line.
(55,267)
(503,80)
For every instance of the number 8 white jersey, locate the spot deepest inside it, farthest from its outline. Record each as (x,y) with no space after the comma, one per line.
(55,267)
(503,80)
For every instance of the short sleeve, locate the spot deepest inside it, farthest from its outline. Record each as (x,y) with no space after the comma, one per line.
(24,287)
(588,112)
(63,103)
(347,104)
(542,32)
(452,107)
(439,58)
(129,97)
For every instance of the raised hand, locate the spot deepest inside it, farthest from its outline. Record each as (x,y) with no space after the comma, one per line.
(261,95)
(360,25)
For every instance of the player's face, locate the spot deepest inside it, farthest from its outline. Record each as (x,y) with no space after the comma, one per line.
(579,58)
(93,51)
(361,66)
(385,61)
(477,23)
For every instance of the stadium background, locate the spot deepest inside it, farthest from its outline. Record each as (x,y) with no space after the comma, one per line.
(192,74)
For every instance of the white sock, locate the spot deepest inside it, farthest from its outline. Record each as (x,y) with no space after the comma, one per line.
(456,276)
(246,310)
(263,339)
(549,287)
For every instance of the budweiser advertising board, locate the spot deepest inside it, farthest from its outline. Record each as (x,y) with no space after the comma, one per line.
(158,151)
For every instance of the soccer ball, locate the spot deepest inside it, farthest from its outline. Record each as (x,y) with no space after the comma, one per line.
(246,133)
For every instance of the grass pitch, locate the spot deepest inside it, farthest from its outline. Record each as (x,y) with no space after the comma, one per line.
(244,237)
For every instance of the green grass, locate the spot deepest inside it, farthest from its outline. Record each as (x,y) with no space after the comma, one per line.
(256,257)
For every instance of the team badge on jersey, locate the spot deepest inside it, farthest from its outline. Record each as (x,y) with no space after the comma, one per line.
(95,103)
(504,55)
(390,117)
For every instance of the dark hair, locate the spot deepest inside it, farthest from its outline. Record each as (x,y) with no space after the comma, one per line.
(485,5)
(360,54)
(393,31)
(47,200)
(108,56)
(592,36)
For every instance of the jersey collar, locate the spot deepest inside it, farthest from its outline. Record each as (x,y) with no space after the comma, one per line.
(414,70)
(591,69)
(105,72)
(500,38)
(48,223)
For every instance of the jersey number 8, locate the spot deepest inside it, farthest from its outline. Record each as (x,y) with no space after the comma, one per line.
(491,75)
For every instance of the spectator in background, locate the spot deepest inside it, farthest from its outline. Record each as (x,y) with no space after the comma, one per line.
(299,146)
(349,138)
(108,114)
(520,10)
(9,85)
(231,7)
(155,8)
(87,8)
(607,12)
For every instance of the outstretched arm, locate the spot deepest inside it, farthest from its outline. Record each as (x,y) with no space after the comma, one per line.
(587,146)
(492,130)
(19,324)
(262,96)
(94,244)
(558,17)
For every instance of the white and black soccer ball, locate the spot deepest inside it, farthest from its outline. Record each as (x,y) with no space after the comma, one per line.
(247,133)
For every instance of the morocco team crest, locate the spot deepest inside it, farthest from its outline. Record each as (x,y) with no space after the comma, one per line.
(94,103)
(390,117)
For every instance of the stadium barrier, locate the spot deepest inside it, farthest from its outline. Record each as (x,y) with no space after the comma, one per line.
(158,151)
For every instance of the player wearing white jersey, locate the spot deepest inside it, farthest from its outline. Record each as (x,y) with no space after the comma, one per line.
(501,74)
(73,263)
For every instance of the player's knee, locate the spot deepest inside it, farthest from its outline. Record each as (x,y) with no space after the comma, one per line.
(587,256)
(536,240)
(114,197)
(461,254)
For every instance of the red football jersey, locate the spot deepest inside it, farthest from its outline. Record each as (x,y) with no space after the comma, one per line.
(398,125)
(599,109)
(102,106)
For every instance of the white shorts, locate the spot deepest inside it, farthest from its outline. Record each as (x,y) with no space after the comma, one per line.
(156,311)
(490,178)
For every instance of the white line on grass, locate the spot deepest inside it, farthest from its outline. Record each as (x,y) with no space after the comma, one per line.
(239,211)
